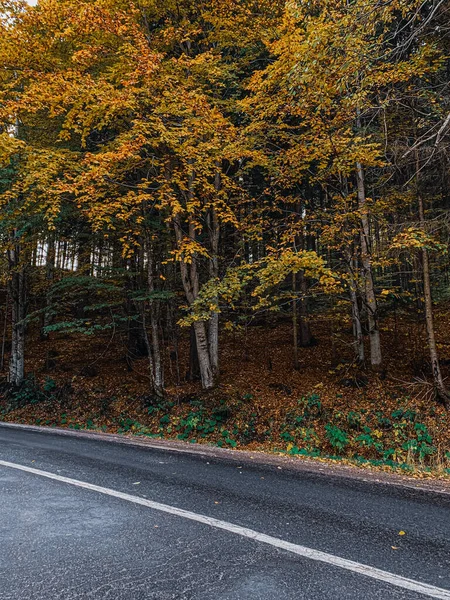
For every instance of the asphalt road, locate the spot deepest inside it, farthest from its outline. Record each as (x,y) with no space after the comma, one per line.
(62,541)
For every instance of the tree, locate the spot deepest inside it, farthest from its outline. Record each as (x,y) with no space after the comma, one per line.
(334,73)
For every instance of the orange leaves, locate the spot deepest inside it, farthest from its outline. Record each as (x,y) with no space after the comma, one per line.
(137,107)
(70,59)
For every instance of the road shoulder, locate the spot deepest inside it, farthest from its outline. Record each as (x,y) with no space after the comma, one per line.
(314,467)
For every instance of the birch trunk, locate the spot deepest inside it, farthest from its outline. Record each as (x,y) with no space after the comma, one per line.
(206,371)
(17,293)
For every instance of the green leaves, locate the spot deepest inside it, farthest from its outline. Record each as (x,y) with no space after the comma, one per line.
(337,437)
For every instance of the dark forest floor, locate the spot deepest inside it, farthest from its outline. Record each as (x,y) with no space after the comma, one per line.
(328,408)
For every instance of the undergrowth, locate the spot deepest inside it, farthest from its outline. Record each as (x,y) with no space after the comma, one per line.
(397,439)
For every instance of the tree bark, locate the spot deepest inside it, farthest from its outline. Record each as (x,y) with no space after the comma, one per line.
(49,275)
(306,338)
(356,314)
(376,357)
(439,385)
(213,325)
(17,293)
(295,322)
(155,349)
(191,284)
(206,371)
(137,346)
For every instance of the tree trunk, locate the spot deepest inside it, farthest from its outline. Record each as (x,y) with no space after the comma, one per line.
(84,254)
(213,325)
(151,366)
(191,284)
(356,315)
(441,391)
(367,273)
(295,322)
(306,338)
(155,350)
(304,335)
(204,361)
(440,388)
(137,346)
(83,269)
(49,275)
(17,293)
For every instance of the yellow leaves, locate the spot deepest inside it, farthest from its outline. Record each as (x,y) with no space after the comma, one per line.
(415,238)
(86,56)
(35,179)
(9,147)
(331,64)
(328,281)
(187,250)
(105,84)
(275,268)
(232,327)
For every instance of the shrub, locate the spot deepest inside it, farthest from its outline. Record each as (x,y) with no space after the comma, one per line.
(338,438)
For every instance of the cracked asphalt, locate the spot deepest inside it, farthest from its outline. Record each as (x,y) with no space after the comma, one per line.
(61,542)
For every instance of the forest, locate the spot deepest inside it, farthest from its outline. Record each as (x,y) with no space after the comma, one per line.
(228,222)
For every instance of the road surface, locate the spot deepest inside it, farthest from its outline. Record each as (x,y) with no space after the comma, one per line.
(85,518)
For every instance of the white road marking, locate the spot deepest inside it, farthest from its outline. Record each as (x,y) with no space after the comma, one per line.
(336,561)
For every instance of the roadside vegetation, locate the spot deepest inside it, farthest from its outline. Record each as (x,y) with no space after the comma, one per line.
(316,412)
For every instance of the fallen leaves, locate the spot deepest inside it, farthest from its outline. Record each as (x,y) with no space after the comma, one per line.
(241,378)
